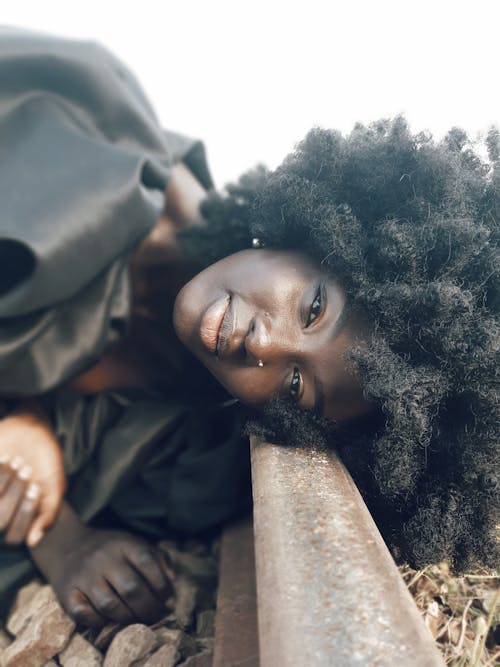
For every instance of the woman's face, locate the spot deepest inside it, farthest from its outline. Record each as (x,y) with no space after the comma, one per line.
(272,323)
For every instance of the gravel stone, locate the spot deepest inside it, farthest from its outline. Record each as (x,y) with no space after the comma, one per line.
(205,644)
(165,656)
(130,645)
(80,653)
(26,605)
(203,659)
(198,565)
(205,623)
(106,636)
(182,642)
(42,636)
(186,594)
(5,640)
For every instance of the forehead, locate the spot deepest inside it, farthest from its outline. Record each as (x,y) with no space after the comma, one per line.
(262,262)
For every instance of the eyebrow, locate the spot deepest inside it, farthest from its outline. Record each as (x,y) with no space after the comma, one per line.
(319,390)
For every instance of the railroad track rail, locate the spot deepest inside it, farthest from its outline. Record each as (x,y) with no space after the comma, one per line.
(323,589)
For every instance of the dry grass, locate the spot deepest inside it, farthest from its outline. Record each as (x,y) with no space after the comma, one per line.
(462,613)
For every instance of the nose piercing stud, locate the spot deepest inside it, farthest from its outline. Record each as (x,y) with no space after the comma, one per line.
(260,363)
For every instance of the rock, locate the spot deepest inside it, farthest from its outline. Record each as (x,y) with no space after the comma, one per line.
(205,624)
(182,642)
(5,640)
(165,656)
(130,645)
(80,653)
(205,644)
(45,633)
(106,636)
(170,621)
(203,659)
(197,547)
(23,608)
(198,566)
(51,663)
(186,594)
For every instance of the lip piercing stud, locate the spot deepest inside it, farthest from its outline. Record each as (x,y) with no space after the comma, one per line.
(260,363)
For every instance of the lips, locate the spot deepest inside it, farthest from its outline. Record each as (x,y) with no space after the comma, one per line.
(225,330)
(213,324)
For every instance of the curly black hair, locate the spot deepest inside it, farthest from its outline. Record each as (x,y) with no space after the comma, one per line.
(410,228)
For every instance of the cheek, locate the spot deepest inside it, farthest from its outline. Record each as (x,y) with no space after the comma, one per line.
(184,313)
(252,386)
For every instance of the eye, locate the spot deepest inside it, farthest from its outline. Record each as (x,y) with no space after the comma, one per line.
(296,385)
(316,306)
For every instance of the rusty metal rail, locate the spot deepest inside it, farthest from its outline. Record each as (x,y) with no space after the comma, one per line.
(329,593)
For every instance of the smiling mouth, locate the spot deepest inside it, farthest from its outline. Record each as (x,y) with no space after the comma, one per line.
(215,326)
(225,330)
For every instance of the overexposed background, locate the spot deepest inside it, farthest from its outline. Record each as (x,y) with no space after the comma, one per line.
(251,77)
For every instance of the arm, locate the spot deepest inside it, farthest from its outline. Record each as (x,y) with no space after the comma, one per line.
(158,266)
(183,197)
(99,576)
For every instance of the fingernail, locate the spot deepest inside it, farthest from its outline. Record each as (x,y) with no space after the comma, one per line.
(25,473)
(16,463)
(32,492)
(4,459)
(35,539)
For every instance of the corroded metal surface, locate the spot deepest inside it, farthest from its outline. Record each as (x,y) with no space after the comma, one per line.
(236,638)
(328,590)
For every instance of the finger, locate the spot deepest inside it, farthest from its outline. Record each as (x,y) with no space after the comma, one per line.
(17,463)
(6,473)
(23,518)
(154,570)
(49,507)
(109,604)
(136,593)
(82,611)
(8,468)
(10,500)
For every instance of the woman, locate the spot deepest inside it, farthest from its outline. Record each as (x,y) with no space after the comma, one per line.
(364,315)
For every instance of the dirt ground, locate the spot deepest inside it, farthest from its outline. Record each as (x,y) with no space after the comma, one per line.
(462,613)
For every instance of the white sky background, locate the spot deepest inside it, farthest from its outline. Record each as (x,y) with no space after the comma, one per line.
(252,77)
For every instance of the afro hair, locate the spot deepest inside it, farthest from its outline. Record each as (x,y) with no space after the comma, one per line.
(410,228)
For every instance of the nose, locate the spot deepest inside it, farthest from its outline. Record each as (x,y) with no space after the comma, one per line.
(266,340)
(258,339)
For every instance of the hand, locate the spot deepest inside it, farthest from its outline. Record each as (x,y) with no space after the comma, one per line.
(30,494)
(103,576)
(19,499)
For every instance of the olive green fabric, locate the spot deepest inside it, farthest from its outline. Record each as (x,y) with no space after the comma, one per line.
(82,179)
